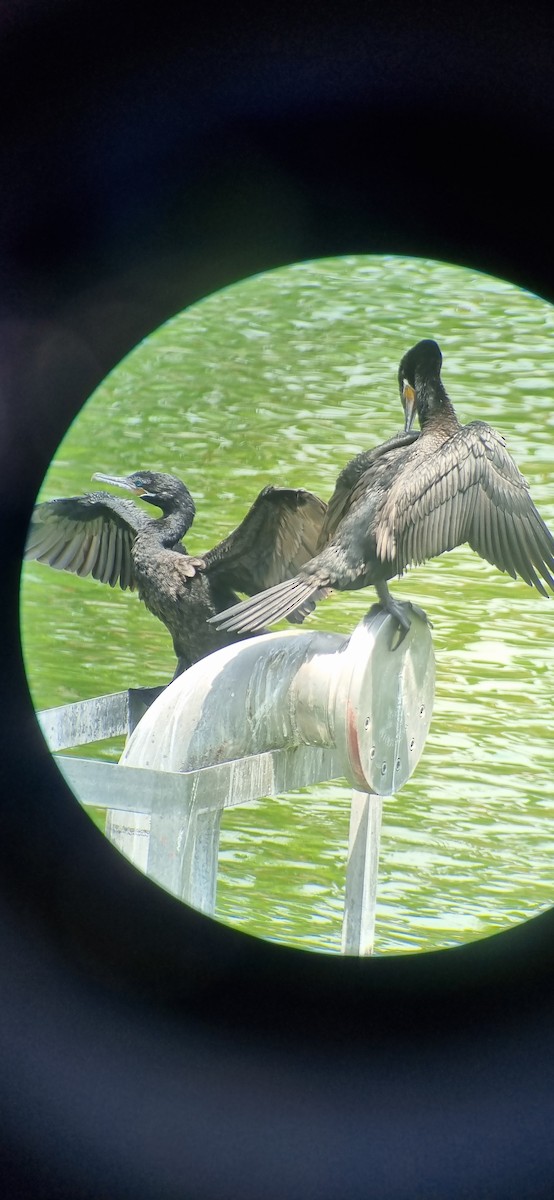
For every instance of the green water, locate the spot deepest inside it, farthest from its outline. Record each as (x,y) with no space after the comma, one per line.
(283,378)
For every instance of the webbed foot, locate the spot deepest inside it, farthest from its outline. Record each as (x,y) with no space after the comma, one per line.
(399,611)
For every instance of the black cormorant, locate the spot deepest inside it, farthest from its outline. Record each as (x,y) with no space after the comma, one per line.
(115,541)
(410,500)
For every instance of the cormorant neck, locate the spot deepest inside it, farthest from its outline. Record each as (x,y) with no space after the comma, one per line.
(176,521)
(434,406)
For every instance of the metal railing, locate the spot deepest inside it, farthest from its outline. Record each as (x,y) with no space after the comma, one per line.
(258,719)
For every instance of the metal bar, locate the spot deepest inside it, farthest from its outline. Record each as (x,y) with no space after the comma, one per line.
(141,790)
(360,900)
(93,720)
(85,721)
(167,823)
(177,847)
(107,785)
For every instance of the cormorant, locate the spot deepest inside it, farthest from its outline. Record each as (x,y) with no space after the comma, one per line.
(410,500)
(115,541)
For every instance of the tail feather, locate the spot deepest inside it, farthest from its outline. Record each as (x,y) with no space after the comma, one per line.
(299,615)
(296,596)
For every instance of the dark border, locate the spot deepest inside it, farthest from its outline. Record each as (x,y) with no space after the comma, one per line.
(149,157)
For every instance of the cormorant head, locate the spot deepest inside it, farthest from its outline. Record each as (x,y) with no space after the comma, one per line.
(418,374)
(164,491)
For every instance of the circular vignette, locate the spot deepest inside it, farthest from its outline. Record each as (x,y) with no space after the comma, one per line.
(281,378)
(436,1061)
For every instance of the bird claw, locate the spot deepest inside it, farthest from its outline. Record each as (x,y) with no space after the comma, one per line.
(403,622)
(397,610)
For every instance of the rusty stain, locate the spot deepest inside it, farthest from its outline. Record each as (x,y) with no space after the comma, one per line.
(353,744)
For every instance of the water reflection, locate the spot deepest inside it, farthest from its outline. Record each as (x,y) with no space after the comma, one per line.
(281,379)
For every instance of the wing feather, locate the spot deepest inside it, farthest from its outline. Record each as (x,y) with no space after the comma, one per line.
(466,490)
(355,478)
(99,568)
(87,535)
(66,552)
(116,569)
(55,548)
(505,544)
(91,554)
(278,535)
(110,557)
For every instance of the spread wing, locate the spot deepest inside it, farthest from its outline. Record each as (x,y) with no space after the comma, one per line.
(356,477)
(467,490)
(277,536)
(89,535)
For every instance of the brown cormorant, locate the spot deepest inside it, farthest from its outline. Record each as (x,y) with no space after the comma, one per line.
(115,541)
(411,499)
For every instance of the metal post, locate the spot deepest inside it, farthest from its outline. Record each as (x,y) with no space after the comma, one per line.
(129,832)
(200,860)
(360,899)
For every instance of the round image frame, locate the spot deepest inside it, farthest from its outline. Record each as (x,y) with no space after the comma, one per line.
(194,1058)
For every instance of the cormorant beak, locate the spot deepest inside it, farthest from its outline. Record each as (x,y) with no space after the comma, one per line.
(409,402)
(120,481)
